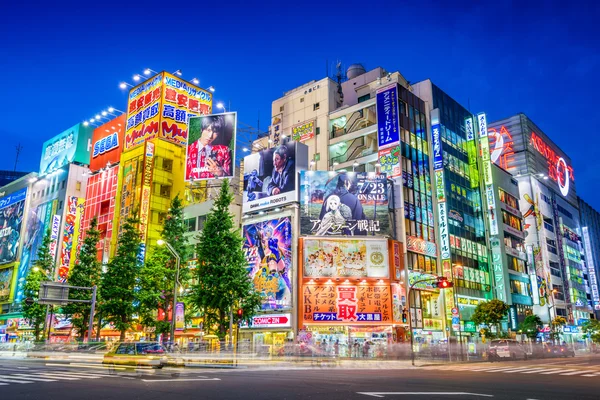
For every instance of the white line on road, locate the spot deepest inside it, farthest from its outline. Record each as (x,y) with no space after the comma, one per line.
(78,375)
(580,372)
(32,378)
(538,370)
(383,394)
(594,374)
(180,380)
(512,371)
(3,379)
(59,377)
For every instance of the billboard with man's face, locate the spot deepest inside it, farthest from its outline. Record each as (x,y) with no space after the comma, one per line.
(343,204)
(211,147)
(270,176)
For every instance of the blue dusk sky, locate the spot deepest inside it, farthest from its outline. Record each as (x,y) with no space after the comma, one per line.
(61,62)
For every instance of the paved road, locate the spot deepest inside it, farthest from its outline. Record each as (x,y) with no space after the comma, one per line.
(551,379)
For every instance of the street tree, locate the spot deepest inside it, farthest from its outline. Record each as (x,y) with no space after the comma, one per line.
(490,313)
(157,277)
(32,310)
(223,284)
(556,327)
(531,325)
(592,328)
(118,283)
(85,273)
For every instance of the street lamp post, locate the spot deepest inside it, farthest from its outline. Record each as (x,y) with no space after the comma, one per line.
(161,242)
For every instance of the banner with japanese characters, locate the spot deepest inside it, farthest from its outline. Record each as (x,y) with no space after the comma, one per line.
(388,118)
(143,112)
(73,211)
(366,304)
(268,249)
(389,159)
(343,204)
(345,258)
(304,131)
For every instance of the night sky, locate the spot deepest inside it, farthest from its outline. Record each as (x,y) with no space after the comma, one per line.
(62,63)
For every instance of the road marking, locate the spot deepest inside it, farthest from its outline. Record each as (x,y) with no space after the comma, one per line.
(180,380)
(2,384)
(558,371)
(383,394)
(538,370)
(78,375)
(499,369)
(594,374)
(579,372)
(22,367)
(32,378)
(59,377)
(512,371)
(572,365)
(3,379)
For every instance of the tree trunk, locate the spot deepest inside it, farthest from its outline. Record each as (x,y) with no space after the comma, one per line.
(99,327)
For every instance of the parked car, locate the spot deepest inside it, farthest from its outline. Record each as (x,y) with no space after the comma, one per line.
(563,351)
(137,354)
(506,349)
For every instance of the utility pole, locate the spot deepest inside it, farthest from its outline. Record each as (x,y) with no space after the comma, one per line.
(19,148)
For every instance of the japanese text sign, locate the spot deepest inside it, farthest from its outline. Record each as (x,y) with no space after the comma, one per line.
(388,124)
(304,131)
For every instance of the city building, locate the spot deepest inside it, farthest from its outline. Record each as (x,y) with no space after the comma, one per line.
(101,191)
(460,214)
(553,229)
(590,221)
(7,177)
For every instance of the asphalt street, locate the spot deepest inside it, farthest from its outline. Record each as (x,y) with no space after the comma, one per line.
(541,380)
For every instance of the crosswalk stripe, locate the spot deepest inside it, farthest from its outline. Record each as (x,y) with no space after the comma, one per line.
(77,375)
(558,371)
(579,372)
(539,370)
(594,375)
(2,384)
(3,379)
(85,374)
(498,369)
(32,378)
(512,371)
(59,377)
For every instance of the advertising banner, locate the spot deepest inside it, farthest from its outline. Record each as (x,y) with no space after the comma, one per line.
(436,142)
(12,208)
(276,129)
(128,192)
(345,258)
(211,147)
(304,131)
(397,255)
(418,245)
(179,316)
(73,211)
(268,249)
(107,143)
(343,204)
(389,159)
(143,112)
(388,117)
(54,231)
(269,321)
(67,147)
(270,176)
(146,191)
(347,303)
(444,233)
(38,221)
(6,278)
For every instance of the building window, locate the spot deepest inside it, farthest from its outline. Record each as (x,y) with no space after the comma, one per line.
(64,184)
(165,191)
(518,287)
(318,131)
(78,185)
(516,264)
(301,99)
(201,222)
(167,164)
(316,106)
(190,224)
(161,217)
(557,290)
(60,204)
(364,98)
(104,207)
(508,199)
(281,109)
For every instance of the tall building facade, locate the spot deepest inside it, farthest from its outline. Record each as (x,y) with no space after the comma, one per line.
(553,228)
(590,221)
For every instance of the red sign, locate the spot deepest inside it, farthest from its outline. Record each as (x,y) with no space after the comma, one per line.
(270,321)
(107,143)
(557,167)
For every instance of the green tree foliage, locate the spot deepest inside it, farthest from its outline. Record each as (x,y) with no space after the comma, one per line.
(157,276)
(490,313)
(118,284)
(36,313)
(223,284)
(592,328)
(86,273)
(556,325)
(531,325)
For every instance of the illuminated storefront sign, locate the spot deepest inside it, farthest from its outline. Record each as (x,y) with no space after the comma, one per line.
(304,131)
(388,124)
(589,258)
(501,144)
(389,159)
(418,245)
(146,191)
(488,178)
(499,282)
(444,233)
(269,321)
(558,169)
(436,142)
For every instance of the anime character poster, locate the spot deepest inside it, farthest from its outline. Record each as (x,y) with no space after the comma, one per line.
(268,249)
(11,219)
(343,204)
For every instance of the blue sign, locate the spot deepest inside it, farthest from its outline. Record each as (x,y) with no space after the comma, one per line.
(436,141)
(106,144)
(13,198)
(388,125)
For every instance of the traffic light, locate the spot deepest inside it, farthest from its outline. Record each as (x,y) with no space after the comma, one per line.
(240,312)
(443,283)
(404,316)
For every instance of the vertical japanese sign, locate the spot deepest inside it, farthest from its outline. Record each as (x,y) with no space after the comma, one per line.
(499,280)
(304,131)
(179,316)
(276,128)
(389,159)
(591,267)
(436,142)
(128,192)
(181,101)
(488,178)
(360,304)
(73,211)
(472,152)
(54,235)
(146,191)
(143,112)
(388,123)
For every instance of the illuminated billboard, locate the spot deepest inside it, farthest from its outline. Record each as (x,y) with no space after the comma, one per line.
(345,258)
(107,143)
(350,302)
(211,147)
(304,131)
(161,107)
(268,250)
(73,211)
(12,208)
(388,117)
(6,278)
(67,147)
(270,176)
(343,204)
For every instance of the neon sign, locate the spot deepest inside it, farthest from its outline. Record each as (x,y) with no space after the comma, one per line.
(558,169)
(501,144)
